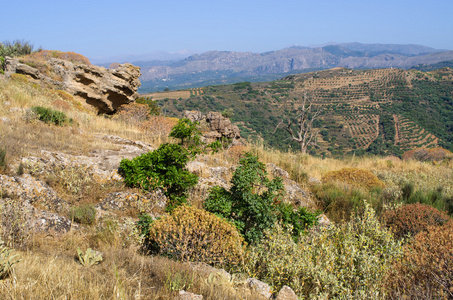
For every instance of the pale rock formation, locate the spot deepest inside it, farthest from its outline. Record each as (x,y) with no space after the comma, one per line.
(260,287)
(102,88)
(215,126)
(286,293)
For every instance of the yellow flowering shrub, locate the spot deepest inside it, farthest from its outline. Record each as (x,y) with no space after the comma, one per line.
(191,234)
(356,177)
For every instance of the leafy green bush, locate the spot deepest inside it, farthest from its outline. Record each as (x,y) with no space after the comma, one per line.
(191,234)
(15,48)
(410,219)
(188,134)
(84,214)
(51,116)
(163,168)
(153,108)
(346,261)
(254,203)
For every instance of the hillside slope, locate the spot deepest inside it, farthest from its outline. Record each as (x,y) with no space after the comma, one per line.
(379,111)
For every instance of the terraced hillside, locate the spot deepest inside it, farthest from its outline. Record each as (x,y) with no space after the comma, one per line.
(381,111)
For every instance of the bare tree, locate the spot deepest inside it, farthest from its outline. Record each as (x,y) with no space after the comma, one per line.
(301,127)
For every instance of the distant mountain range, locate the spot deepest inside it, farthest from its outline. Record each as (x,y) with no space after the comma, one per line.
(222,67)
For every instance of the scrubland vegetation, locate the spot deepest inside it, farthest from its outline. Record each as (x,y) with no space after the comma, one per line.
(390,235)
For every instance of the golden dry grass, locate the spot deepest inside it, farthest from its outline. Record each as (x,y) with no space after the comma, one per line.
(51,271)
(169,95)
(48,269)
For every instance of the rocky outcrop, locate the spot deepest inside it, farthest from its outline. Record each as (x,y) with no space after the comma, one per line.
(183,295)
(286,293)
(102,88)
(260,287)
(214,125)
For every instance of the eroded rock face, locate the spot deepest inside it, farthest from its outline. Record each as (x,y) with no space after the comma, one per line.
(100,87)
(217,126)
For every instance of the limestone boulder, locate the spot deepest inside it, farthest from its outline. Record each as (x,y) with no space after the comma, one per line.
(102,88)
(214,125)
(286,293)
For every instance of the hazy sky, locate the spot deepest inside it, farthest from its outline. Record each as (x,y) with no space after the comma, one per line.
(100,29)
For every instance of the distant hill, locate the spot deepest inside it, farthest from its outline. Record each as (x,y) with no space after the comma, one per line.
(440,65)
(384,111)
(215,67)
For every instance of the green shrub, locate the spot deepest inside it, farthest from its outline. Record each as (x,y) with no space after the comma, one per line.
(15,48)
(254,204)
(410,219)
(191,234)
(163,168)
(346,261)
(84,214)
(51,116)
(153,108)
(188,134)
(433,197)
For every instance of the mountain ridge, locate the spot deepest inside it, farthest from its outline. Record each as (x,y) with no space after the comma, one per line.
(215,65)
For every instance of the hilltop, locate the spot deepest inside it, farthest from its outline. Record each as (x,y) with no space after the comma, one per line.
(383,111)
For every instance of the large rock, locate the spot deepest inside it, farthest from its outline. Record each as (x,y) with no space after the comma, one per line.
(100,87)
(217,126)
(287,293)
(260,287)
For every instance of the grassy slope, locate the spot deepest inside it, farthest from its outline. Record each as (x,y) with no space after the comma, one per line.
(48,269)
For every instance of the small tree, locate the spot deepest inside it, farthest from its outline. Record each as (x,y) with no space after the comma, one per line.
(254,203)
(301,127)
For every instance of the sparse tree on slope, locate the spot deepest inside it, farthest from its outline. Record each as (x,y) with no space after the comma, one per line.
(301,127)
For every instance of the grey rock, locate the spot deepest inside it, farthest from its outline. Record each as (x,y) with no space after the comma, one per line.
(214,125)
(297,195)
(120,201)
(259,286)
(213,274)
(286,293)
(313,180)
(277,171)
(35,191)
(183,295)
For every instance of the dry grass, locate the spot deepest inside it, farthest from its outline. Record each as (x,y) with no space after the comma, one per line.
(51,271)
(170,95)
(21,138)
(391,170)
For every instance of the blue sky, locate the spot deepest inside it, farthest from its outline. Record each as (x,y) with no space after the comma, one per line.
(102,29)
